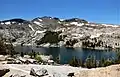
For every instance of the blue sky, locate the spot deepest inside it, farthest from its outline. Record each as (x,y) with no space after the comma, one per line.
(100,11)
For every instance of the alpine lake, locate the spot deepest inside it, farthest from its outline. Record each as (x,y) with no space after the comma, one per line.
(65,54)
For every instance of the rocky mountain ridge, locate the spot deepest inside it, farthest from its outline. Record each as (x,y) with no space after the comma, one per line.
(72,32)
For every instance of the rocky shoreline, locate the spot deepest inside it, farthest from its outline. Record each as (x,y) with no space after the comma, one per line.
(27,67)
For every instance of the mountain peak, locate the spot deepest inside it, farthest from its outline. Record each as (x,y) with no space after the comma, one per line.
(15,20)
(76,20)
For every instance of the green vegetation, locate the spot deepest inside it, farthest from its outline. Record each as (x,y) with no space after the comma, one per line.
(74,62)
(92,44)
(108,62)
(22,54)
(3,50)
(50,37)
(36,56)
(76,20)
(57,60)
(6,48)
(32,54)
(91,62)
(117,61)
(71,42)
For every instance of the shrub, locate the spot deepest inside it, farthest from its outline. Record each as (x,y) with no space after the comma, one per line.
(81,63)
(90,62)
(6,48)
(96,43)
(13,40)
(38,58)
(71,42)
(74,62)
(32,54)
(22,54)
(10,49)
(101,62)
(108,62)
(117,61)
(57,60)
(104,62)
(3,48)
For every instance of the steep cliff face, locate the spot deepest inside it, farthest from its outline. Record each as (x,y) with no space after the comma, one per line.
(74,32)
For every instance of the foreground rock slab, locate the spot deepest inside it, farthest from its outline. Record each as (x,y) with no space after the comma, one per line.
(62,71)
(53,71)
(110,71)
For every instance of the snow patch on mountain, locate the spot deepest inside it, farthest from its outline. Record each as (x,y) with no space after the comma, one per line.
(7,23)
(31,27)
(76,23)
(38,23)
(96,35)
(107,25)
(59,22)
(2,23)
(62,19)
(39,32)
(40,20)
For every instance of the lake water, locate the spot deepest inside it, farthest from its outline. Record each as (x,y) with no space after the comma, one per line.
(66,54)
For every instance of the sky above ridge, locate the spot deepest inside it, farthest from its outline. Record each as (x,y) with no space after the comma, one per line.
(100,11)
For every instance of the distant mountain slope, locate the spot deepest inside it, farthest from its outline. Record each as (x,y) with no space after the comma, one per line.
(73,32)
